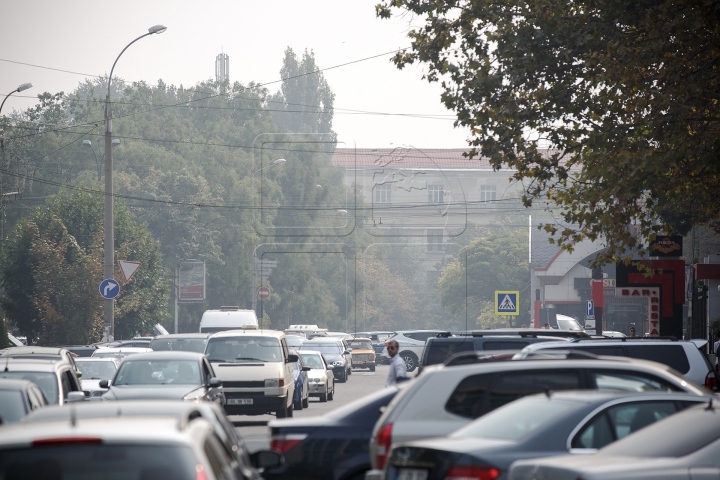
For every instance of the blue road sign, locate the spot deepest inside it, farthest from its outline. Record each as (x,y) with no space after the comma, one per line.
(109,288)
(507,302)
(590,309)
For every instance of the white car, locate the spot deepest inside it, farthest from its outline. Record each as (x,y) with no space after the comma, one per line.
(95,369)
(411,343)
(118,352)
(321,383)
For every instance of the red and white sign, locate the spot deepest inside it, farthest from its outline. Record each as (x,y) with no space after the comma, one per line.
(653,296)
(263,293)
(128,269)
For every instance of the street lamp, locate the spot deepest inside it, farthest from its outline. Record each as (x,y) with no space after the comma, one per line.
(21,88)
(278,162)
(88,143)
(109,240)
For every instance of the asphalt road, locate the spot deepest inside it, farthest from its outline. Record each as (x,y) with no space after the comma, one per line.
(256,434)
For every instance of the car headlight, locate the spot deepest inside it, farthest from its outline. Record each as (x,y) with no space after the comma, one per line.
(274,382)
(339,363)
(314,379)
(195,396)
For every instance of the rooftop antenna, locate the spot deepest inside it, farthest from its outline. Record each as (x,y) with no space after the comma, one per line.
(73,417)
(7,360)
(710,405)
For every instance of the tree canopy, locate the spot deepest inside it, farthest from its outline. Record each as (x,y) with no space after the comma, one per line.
(608,109)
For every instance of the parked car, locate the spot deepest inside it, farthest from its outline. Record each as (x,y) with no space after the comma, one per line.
(117,446)
(328,447)
(180,342)
(363,354)
(18,398)
(683,356)
(55,377)
(438,349)
(256,369)
(552,423)
(445,399)
(685,446)
(165,375)
(119,353)
(336,353)
(94,370)
(302,384)
(411,343)
(321,383)
(244,464)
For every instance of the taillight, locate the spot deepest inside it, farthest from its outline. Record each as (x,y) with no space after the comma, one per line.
(200,475)
(66,440)
(472,473)
(283,443)
(711,382)
(383,441)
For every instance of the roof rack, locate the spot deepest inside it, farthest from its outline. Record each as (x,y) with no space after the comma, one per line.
(627,339)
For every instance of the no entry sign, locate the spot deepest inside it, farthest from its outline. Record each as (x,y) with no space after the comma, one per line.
(263,293)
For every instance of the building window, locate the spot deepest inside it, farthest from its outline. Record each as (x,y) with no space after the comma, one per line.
(435,194)
(435,239)
(487,193)
(383,193)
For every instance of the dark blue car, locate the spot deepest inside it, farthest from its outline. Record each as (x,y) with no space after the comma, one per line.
(331,447)
(302,387)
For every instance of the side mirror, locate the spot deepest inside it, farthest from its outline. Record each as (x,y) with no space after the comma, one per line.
(292,358)
(74,397)
(215,382)
(267,459)
(78,373)
(347,352)
(329,367)
(306,369)
(104,384)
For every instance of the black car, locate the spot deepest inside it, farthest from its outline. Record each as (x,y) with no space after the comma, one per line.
(438,349)
(335,352)
(185,376)
(542,425)
(329,447)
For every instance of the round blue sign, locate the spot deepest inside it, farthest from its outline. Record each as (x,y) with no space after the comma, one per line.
(109,288)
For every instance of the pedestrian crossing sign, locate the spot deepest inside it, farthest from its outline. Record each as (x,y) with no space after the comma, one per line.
(507,302)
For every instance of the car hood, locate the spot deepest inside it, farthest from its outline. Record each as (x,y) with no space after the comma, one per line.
(317,373)
(90,384)
(363,351)
(149,392)
(333,357)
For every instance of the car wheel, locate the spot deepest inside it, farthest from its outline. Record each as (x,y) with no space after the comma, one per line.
(411,361)
(372,368)
(324,396)
(299,404)
(331,394)
(343,377)
(350,370)
(305,401)
(290,411)
(282,413)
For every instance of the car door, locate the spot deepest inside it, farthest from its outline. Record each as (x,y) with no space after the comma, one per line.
(214,393)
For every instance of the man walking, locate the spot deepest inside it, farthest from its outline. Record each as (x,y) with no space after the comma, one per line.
(398,371)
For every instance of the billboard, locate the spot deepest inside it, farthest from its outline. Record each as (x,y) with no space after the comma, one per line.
(191,282)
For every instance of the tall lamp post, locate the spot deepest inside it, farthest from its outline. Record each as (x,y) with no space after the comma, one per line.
(109,241)
(21,88)
(279,161)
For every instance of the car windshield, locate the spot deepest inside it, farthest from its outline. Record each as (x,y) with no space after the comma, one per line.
(515,420)
(244,349)
(11,406)
(329,348)
(569,324)
(294,342)
(179,344)
(47,382)
(119,462)
(312,360)
(96,370)
(361,344)
(158,372)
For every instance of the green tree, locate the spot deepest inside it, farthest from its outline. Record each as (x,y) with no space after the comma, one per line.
(52,266)
(494,262)
(4,340)
(623,94)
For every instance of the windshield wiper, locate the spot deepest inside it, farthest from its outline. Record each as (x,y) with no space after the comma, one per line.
(250,358)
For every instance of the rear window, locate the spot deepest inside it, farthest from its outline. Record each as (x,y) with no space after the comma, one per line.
(360,344)
(245,349)
(12,407)
(47,382)
(437,351)
(671,355)
(121,462)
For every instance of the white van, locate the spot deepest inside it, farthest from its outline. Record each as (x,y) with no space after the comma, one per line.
(256,368)
(227,318)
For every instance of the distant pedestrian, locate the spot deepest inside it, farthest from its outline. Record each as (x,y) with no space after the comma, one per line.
(547,326)
(632,332)
(398,370)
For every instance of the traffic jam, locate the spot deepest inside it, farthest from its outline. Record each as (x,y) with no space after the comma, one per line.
(509,403)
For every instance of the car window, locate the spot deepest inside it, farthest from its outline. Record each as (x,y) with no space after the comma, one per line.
(47,382)
(509,386)
(468,398)
(361,344)
(619,421)
(671,355)
(312,360)
(629,381)
(65,383)
(96,370)
(179,344)
(158,372)
(439,351)
(505,345)
(244,349)
(12,406)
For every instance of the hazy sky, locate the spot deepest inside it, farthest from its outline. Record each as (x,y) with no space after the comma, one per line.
(86,36)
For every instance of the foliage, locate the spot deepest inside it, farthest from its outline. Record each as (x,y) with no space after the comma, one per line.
(52,266)
(4,340)
(624,94)
(388,302)
(494,262)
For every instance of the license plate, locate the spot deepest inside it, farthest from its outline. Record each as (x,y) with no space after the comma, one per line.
(412,474)
(239,401)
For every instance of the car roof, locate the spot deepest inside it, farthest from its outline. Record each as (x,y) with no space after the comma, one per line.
(360,338)
(14,384)
(610,341)
(120,408)
(183,335)
(122,350)
(249,332)
(165,355)
(31,365)
(318,340)
(33,350)
(96,359)
(302,350)
(109,429)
